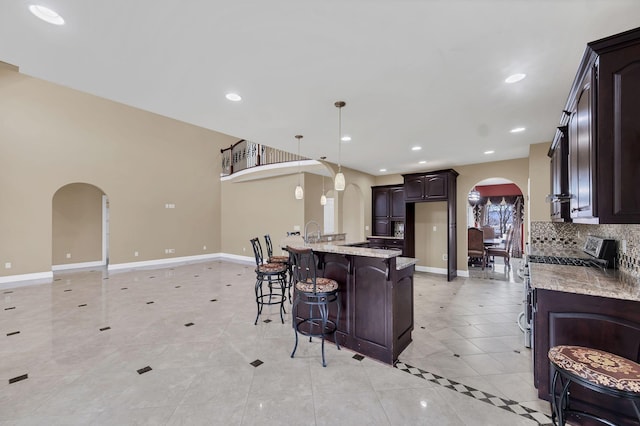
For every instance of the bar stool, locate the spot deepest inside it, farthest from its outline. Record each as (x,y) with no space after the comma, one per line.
(279,259)
(275,274)
(597,370)
(312,291)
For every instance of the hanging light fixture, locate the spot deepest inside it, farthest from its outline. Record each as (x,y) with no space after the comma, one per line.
(339,179)
(503,202)
(299,193)
(474,195)
(489,201)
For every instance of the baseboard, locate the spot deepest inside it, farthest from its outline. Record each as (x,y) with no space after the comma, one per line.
(163,262)
(82,265)
(22,280)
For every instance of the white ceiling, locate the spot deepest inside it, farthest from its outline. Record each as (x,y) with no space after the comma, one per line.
(416,72)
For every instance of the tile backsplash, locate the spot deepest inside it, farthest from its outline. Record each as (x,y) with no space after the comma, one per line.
(552,238)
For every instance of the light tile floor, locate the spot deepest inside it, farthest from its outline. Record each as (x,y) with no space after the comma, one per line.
(82,339)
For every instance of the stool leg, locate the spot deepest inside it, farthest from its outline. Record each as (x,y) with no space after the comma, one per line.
(635,407)
(322,308)
(258,298)
(335,333)
(294,310)
(564,403)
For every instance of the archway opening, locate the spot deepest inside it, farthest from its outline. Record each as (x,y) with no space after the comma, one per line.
(496,206)
(79,227)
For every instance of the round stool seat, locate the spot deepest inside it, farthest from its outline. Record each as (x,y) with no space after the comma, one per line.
(279,259)
(323,285)
(271,268)
(598,367)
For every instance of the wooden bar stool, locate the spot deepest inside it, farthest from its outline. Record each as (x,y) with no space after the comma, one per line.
(286,260)
(596,370)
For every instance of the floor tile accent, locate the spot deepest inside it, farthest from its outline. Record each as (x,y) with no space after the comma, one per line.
(105,328)
(256,363)
(144,370)
(19,378)
(358,357)
(189,324)
(13,333)
(505,404)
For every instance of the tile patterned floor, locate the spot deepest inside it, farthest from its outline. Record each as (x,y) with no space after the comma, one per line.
(178,346)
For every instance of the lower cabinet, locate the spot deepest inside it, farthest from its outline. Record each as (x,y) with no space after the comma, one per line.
(608,324)
(386,243)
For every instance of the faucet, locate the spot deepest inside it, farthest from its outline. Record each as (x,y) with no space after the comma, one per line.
(307,238)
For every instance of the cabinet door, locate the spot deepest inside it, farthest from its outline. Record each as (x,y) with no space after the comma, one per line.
(397,203)
(560,178)
(435,187)
(581,152)
(381,202)
(414,188)
(618,128)
(381,226)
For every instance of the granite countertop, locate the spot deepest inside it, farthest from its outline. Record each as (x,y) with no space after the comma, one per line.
(386,237)
(344,247)
(405,262)
(584,280)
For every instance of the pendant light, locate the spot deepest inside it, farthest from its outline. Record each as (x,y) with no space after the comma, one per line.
(299,193)
(339,179)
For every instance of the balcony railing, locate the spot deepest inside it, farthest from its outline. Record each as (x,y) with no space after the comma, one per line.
(244,155)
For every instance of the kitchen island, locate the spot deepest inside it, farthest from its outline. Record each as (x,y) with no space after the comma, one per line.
(588,307)
(376,296)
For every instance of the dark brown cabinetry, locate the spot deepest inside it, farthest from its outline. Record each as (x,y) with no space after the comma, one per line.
(432,186)
(604,132)
(559,198)
(426,187)
(388,209)
(608,324)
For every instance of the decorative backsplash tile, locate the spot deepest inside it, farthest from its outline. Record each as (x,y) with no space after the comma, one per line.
(553,238)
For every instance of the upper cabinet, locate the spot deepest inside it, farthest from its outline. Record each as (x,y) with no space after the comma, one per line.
(559,153)
(604,133)
(388,208)
(426,187)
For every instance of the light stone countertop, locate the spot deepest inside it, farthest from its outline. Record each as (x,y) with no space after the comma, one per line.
(386,237)
(584,280)
(343,247)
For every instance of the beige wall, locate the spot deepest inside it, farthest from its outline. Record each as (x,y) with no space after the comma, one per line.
(431,234)
(254,208)
(540,183)
(77,224)
(51,136)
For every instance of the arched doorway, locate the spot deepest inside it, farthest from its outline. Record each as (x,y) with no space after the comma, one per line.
(495,205)
(80,230)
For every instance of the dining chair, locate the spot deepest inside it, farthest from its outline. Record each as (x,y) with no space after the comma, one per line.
(475,246)
(503,251)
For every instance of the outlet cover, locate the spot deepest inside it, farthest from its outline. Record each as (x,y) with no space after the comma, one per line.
(7,265)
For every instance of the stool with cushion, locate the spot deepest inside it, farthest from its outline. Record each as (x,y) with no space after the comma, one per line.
(276,276)
(314,293)
(278,259)
(594,369)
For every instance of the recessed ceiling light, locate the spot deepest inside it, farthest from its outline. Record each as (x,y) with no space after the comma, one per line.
(517,130)
(346,138)
(416,148)
(383,170)
(422,162)
(233,97)
(489,152)
(514,78)
(46,14)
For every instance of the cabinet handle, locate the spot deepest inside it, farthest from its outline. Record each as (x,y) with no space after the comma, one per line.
(577,209)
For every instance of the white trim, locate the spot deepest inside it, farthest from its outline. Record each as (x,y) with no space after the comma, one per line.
(82,265)
(162,262)
(441,271)
(463,273)
(11,281)
(238,258)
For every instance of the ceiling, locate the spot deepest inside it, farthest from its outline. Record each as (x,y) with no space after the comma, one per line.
(426,73)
